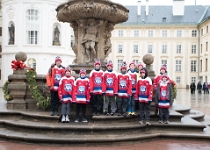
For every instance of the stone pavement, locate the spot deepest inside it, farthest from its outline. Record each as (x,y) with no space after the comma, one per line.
(197,102)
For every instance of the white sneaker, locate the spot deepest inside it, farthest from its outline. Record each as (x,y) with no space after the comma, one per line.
(67,119)
(141,122)
(148,123)
(63,119)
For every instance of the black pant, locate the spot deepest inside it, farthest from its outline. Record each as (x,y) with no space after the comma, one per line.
(54,102)
(163,112)
(83,110)
(144,109)
(97,102)
(122,104)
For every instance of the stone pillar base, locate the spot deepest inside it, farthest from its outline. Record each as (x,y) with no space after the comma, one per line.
(17,104)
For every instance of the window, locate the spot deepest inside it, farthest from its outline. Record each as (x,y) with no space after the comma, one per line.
(201,65)
(207,46)
(179,33)
(164,33)
(194,33)
(164,49)
(0,31)
(120,33)
(31,63)
(193,79)
(135,49)
(164,62)
(201,32)
(193,49)
(206,69)
(149,48)
(136,33)
(72,40)
(32,26)
(119,63)
(136,61)
(201,48)
(120,48)
(178,65)
(178,79)
(150,33)
(178,49)
(193,65)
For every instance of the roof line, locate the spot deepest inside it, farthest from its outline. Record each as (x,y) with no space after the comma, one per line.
(203,15)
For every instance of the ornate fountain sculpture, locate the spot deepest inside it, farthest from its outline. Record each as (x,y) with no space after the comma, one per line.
(92,22)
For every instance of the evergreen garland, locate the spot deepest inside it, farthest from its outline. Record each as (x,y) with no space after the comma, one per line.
(174,90)
(41,101)
(7,95)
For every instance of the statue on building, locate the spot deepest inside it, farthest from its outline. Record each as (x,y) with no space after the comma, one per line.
(56,40)
(12,34)
(91,38)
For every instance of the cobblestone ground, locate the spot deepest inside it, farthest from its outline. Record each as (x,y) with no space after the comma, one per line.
(196,101)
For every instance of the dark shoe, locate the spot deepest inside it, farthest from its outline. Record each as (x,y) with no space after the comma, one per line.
(84,120)
(76,120)
(112,114)
(52,113)
(124,115)
(119,114)
(98,113)
(148,123)
(56,113)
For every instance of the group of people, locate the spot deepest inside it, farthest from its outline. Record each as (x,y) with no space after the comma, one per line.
(205,87)
(126,91)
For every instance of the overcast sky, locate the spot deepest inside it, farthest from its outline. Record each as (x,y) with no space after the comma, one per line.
(162,2)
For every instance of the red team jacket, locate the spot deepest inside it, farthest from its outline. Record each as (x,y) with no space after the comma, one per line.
(157,80)
(82,91)
(133,80)
(144,90)
(109,86)
(65,89)
(55,77)
(96,80)
(124,85)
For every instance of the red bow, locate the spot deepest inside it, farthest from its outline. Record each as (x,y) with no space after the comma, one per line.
(17,64)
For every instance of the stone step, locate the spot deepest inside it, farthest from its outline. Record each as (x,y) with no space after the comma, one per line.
(187,124)
(197,115)
(174,116)
(101,138)
(182,109)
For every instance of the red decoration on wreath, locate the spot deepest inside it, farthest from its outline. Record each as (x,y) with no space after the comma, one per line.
(17,64)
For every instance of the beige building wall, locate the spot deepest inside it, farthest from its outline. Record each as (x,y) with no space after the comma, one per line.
(178,61)
(204,60)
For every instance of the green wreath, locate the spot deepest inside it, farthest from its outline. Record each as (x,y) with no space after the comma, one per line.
(7,95)
(41,101)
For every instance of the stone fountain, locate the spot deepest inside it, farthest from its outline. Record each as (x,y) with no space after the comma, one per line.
(92,22)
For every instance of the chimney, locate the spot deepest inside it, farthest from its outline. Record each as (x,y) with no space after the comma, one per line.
(178,7)
(139,7)
(147,7)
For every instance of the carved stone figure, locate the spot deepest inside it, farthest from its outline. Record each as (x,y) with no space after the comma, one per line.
(88,6)
(56,36)
(12,34)
(90,39)
(108,34)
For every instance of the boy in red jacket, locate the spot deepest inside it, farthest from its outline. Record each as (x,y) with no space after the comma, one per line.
(124,90)
(96,80)
(55,73)
(109,89)
(144,93)
(65,92)
(82,95)
(164,97)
